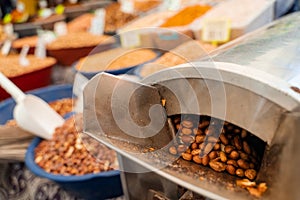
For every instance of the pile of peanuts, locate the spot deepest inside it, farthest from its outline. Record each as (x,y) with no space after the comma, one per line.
(66,154)
(210,142)
(62,106)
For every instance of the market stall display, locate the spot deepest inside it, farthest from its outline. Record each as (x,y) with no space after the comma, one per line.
(227,113)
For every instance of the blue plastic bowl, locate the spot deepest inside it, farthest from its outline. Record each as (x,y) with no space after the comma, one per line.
(90,186)
(127,70)
(50,93)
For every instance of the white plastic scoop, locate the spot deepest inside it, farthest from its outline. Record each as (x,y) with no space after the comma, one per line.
(32,113)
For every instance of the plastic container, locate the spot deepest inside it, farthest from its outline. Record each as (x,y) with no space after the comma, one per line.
(90,186)
(50,93)
(30,81)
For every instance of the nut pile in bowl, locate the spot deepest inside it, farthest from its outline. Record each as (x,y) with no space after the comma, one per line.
(11,67)
(31,41)
(184,53)
(78,40)
(115,59)
(222,147)
(70,152)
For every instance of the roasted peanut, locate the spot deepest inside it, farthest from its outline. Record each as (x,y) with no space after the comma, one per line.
(224,139)
(177,126)
(177,120)
(234,155)
(212,139)
(209,131)
(187,139)
(187,156)
(252,166)
(217,166)
(199,138)
(246,147)
(217,146)
(229,127)
(237,142)
(228,149)
(173,150)
(244,134)
(181,148)
(250,173)
(207,148)
(223,156)
(243,155)
(195,131)
(202,146)
(239,172)
(197,159)
(212,155)
(196,152)
(230,169)
(237,131)
(243,164)
(186,131)
(205,160)
(203,124)
(199,132)
(194,145)
(187,124)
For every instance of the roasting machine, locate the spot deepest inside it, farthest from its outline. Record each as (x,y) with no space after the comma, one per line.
(251,82)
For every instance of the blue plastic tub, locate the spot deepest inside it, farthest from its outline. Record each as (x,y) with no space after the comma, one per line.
(91,186)
(50,93)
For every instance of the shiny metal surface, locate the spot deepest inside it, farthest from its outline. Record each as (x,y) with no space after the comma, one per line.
(274,49)
(247,85)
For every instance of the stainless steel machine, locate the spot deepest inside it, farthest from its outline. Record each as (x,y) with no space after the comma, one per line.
(251,82)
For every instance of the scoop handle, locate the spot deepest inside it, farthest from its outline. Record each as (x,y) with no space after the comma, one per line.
(11,88)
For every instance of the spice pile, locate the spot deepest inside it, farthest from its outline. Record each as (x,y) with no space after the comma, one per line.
(114,59)
(78,40)
(186,16)
(223,148)
(10,65)
(31,41)
(67,154)
(184,53)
